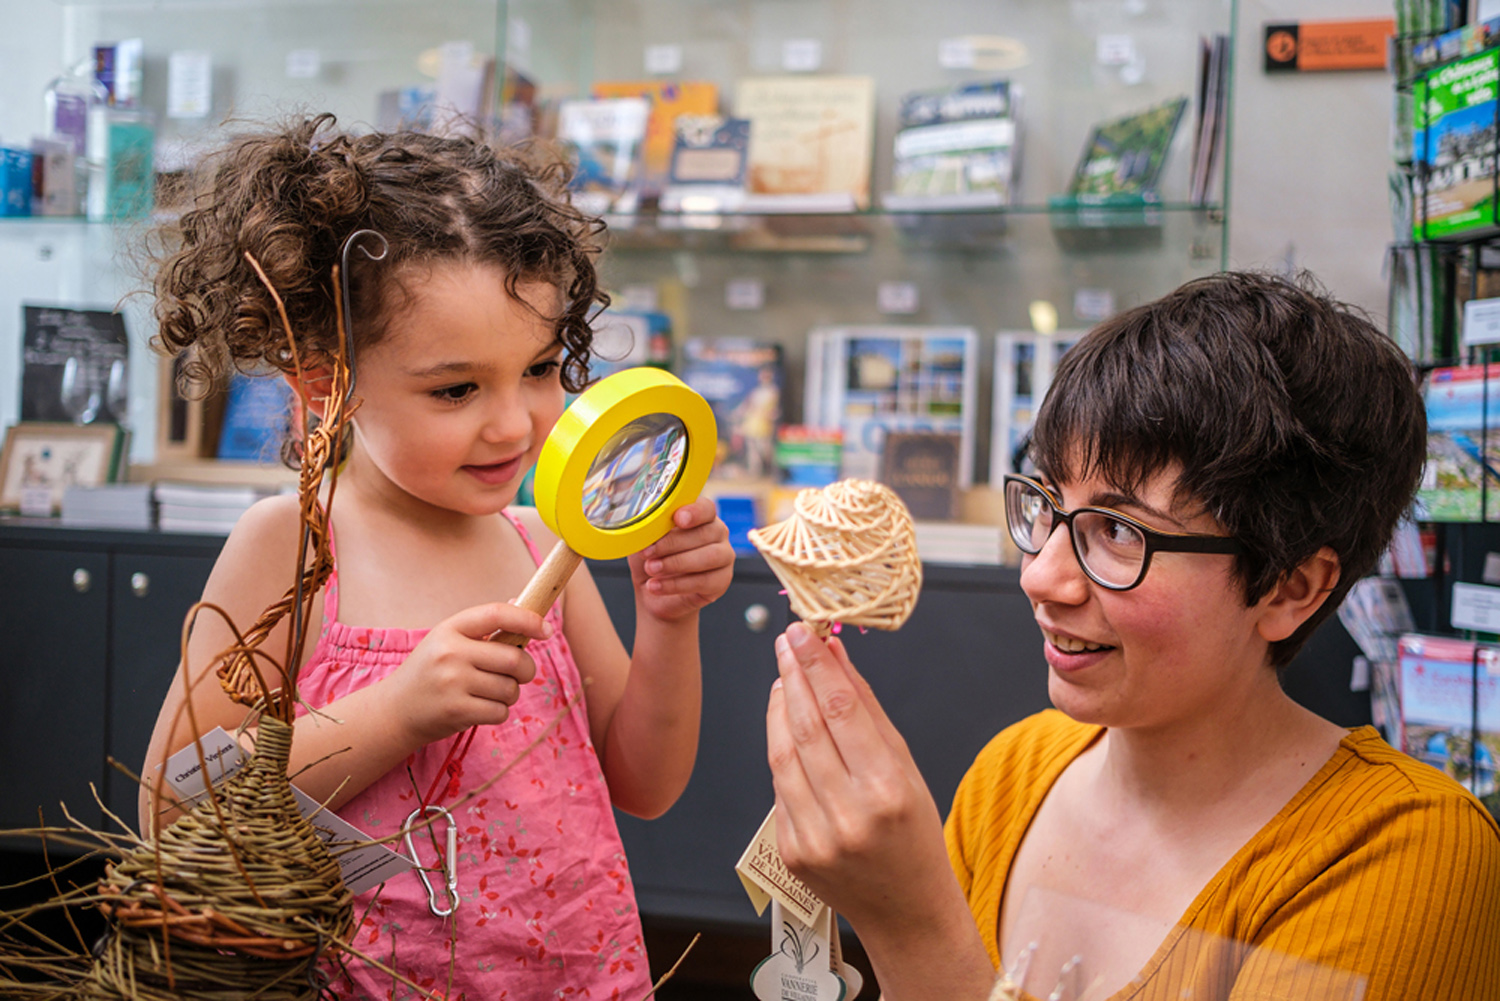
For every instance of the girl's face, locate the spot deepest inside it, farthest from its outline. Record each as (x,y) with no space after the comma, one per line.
(462,391)
(1182,645)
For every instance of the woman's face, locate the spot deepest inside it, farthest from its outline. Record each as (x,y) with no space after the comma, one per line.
(1178,646)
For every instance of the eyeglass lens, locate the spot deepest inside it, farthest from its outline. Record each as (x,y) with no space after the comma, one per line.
(1111,550)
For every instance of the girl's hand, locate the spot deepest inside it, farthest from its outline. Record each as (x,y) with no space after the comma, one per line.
(687,568)
(456,678)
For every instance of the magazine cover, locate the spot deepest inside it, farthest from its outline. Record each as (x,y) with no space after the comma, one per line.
(74,365)
(1024,363)
(669,100)
(605,138)
(1439,677)
(1461,456)
(958,141)
(710,161)
(881,378)
(1453,145)
(742,380)
(1125,156)
(809,135)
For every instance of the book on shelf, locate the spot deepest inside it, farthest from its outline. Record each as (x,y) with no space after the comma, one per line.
(74,365)
(1212,99)
(1024,363)
(867,381)
(604,137)
(922,468)
(1123,158)
(1449,693)
(811,140)
(670,100)
(808,456)
(109,505)
(956,542)
(958,145)
(742,380)
(627,338)
(1454,149)
(710,165)
(201,507)
(1462,454)
(257,417)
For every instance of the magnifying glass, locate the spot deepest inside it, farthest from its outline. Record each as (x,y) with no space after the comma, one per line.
(630,450)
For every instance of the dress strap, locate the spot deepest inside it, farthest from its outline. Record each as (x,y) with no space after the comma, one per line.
(331,589)
(536,556)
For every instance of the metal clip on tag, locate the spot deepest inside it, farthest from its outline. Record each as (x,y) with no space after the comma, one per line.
(450,866)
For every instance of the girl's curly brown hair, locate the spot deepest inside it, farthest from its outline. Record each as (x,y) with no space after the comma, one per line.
(291,197)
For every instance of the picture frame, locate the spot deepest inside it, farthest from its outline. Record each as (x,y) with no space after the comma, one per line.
(54,456)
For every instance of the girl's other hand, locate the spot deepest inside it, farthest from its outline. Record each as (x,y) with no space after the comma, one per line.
(457,678)
(687,568)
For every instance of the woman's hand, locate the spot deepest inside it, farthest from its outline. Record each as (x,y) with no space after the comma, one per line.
(687,568)
(457,678)
(855,821)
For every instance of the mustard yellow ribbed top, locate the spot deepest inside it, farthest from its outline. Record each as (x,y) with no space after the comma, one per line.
(1381,867)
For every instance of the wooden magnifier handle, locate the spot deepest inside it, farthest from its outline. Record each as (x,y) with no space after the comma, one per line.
(545,585)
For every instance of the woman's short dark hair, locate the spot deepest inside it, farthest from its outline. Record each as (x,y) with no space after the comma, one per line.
(1292,419)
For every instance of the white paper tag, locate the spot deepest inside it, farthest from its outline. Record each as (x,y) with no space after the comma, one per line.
(190,77)
(745,293)
(663,60)
(767,879)
(1476,607)
(1093,304)
(801,55)
(800,965)
(897,297)
(1114,50)
(956,53)
(36,502)
(361,868)
(639,298)
(1482,321)
(303,64)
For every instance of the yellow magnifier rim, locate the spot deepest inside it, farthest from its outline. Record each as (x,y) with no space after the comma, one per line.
(587,425)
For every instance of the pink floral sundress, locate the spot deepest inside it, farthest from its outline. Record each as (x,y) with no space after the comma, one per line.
(546,906)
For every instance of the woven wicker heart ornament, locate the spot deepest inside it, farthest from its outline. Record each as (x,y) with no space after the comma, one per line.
(847,555)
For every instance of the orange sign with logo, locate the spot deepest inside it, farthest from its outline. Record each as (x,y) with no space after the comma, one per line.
(1310,46)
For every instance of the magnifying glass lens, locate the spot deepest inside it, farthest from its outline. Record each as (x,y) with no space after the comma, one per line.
(634,471)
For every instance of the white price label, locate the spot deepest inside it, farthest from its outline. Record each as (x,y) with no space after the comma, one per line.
(956,53)
(663,60)
(745,293)
(190,77)
(1114,50)
(1476,607)
(1482,321)
(1093,304)
(36,502)
(303,64)
(801,55)
(638,298)
(897,297)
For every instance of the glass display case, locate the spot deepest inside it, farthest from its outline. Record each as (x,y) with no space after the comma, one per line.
(1019,260)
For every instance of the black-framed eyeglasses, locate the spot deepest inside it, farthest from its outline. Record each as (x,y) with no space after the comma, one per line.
(1114,549)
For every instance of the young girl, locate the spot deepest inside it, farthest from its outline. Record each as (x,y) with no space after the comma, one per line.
(467,333)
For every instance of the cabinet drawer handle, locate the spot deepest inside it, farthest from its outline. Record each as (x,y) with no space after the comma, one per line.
(82,580)
(140,585)
(757,617)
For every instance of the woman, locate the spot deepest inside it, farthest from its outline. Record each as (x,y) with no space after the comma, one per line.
(1216,469)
